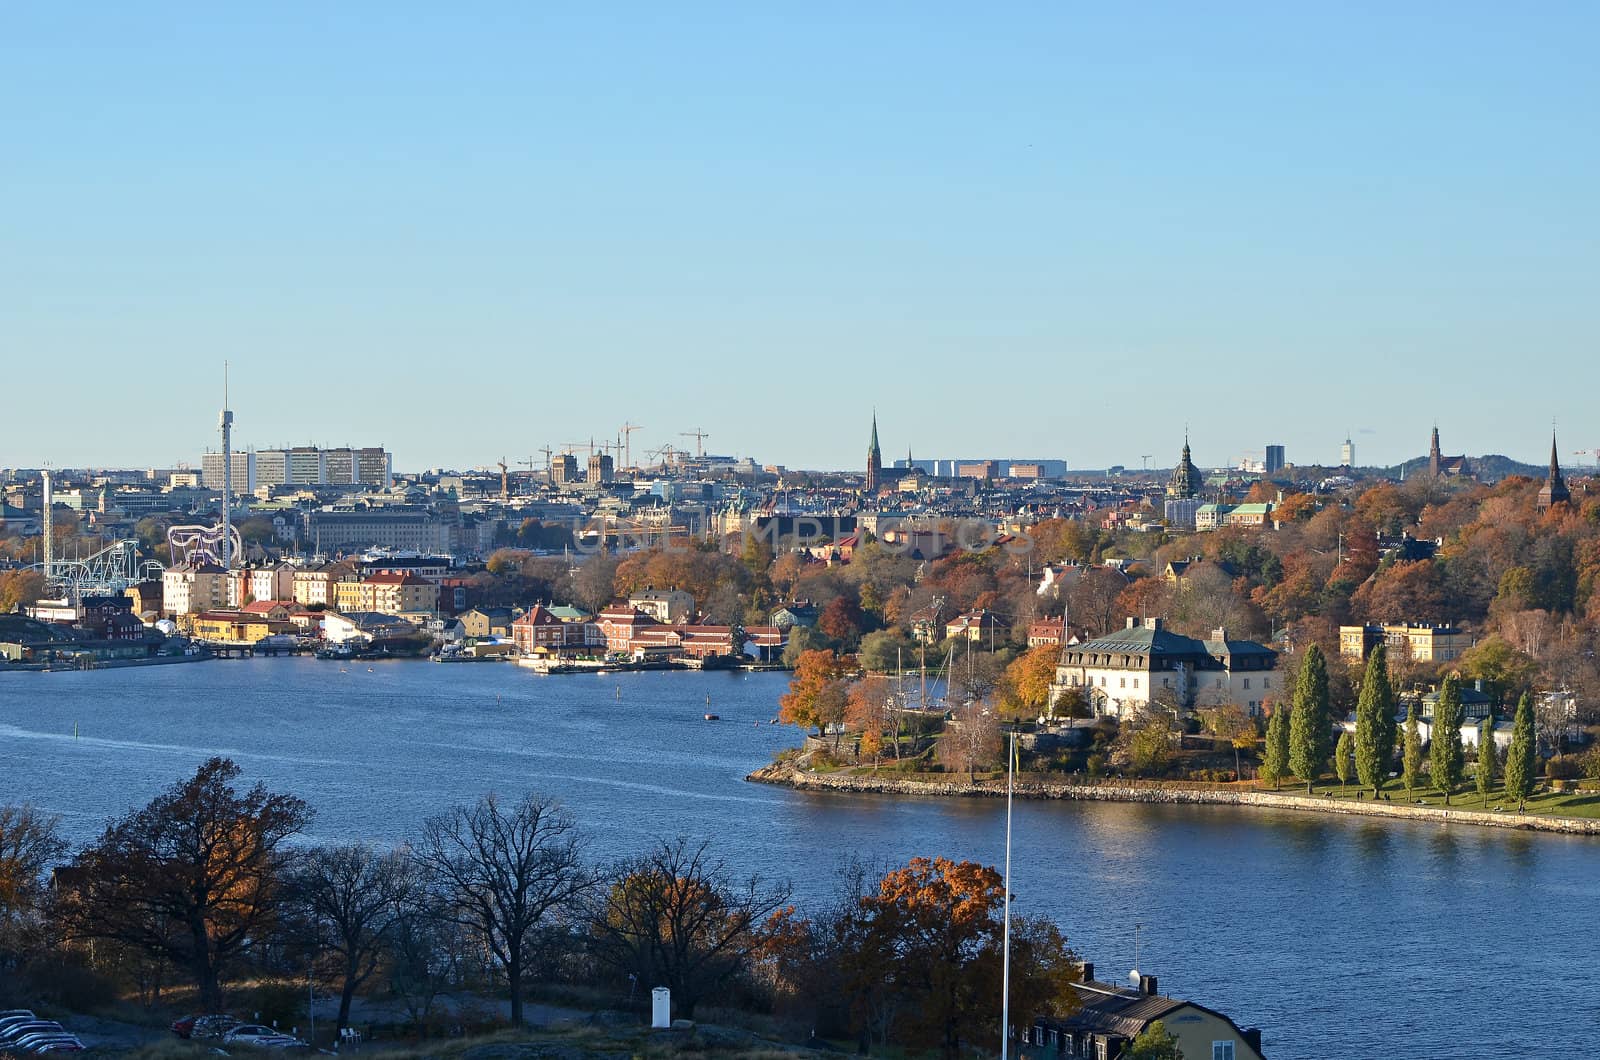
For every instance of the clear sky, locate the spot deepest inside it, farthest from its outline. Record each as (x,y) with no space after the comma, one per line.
(1055,230)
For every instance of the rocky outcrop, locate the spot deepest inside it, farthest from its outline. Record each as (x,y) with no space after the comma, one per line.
(788,774)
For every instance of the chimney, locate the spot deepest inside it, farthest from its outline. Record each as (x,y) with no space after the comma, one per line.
(1147,985)
(1088,971)
(1252,1037)
(1132,621)
(1153,623)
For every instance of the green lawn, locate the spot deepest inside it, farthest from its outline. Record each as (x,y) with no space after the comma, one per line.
(1544,803)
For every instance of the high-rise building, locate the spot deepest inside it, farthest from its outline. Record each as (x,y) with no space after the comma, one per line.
(563,469)
(302,466)
(244,471)
(1274,459)
(1347,453)
(600,468)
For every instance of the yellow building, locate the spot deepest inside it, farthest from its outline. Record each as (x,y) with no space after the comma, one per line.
(1420,641)
(231,627)
(388,594)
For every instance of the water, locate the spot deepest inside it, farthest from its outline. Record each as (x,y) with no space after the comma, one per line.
(1337,936)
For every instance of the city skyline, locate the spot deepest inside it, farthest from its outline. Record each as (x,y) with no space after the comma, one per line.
(1022,231)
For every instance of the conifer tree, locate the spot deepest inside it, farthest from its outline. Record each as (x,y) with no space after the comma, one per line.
(1310,729)
(1487,763)
(1344,758)
(1411,766)
(1521,755)
(1446,758)
(1275,758)
(1375,727)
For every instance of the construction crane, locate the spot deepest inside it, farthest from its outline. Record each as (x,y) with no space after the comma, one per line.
(1589,452)
(548,453)
(1146,458)
(625,433)
(699,435)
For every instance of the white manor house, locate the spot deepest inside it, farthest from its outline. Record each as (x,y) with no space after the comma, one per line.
(1121,673)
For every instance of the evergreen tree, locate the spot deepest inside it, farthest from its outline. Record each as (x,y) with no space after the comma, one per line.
(1375,727)
(1344,758)
(1411,766)
(1446,758)
(1275,758)
(1310,728)
(1486,759)
(1521,759)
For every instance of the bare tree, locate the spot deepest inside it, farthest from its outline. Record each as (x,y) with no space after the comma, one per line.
(28,844)
(674,916)
(504,870)
(353,896)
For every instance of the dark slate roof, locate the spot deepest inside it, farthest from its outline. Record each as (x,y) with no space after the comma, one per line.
(1142,640)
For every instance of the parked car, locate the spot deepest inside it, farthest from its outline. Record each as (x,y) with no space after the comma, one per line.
(50,1042)
(13,1013)
(13,1021)
(15,1030)
(184,1027)
(258,1035)
(213,1026)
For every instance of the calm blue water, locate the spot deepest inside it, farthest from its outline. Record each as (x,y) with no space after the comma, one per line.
(1337,937)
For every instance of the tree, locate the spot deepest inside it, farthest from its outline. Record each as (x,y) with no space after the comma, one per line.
(1275,760)
(1025,685)
(841,620)
(1310,728)
(353,897)
(971,739)
(194,877)
(1375,727)
(1487,759)
(503,871)
(29,845)
(816,696)
(1446,758)
(1344,759)
(1154,1043)
(1499,665)
(1521,756)
(872,708)
(674,917)
(928,943)
(1231,723)
(19,588)
(1411,761)
(1144,743)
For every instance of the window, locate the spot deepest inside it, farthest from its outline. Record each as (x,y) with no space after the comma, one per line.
(1124,683)
(1247,682)
(1222,1050)
(1266,682)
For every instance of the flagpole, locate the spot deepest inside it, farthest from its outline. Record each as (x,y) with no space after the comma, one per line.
(1005,945)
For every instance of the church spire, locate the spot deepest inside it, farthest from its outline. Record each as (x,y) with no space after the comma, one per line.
(874,458)
(1554,491)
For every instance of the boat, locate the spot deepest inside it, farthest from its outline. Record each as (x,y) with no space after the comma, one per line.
(713,717)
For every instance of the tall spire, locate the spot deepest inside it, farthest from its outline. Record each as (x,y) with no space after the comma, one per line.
(874,458)
(1554,490)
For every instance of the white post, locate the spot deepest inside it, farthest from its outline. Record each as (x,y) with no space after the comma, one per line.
(1005,945)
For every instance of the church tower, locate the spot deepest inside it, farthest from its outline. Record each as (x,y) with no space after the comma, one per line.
(1554,490)
(874,459)
(1433,453)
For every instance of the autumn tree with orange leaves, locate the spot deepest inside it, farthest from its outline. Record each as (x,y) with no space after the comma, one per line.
(818,694)
(921,958)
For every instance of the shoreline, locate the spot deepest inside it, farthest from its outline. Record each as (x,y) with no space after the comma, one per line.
(784,774)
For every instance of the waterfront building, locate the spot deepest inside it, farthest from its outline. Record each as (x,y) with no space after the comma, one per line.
(667,606)
(1421,641)
(1110,1017)
(188,588)
(538,628)
(1125,672)
(620,624)
(482,622)
(388,594)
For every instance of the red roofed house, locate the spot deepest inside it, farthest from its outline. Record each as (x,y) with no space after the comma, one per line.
(704,642)
(765,642)
(620,623)
(538,628)
(1052,631)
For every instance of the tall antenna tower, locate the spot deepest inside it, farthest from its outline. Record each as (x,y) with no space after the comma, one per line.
(225,423)
(48,503)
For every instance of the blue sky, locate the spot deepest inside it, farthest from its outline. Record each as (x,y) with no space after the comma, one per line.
(1059,230)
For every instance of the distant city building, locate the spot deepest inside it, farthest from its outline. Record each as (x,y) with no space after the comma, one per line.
(667,606)
(1274,459)
(1347,453)
(563,469)
(301,466)
(1554,491)
(1183,492)
(344,528)
(982,469)
(1440,465)
(600,468)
